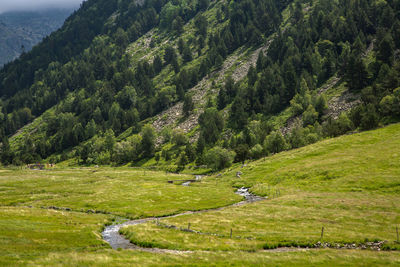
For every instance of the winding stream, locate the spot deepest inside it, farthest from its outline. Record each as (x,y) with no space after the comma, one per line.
(111,233)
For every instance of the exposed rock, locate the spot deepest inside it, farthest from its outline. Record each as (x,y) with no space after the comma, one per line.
(345,102)
(171,116)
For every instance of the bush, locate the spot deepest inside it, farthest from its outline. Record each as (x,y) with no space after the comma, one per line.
(179,138)
(275,143)
(219,158)
(342,125)
(369,118)
(310,116)
(256,151)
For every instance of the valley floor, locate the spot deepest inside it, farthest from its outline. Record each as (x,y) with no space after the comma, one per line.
(349,186)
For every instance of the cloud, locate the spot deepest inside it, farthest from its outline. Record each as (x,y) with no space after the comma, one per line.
(29,5)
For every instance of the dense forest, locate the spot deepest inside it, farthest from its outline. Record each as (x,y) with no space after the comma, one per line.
(91,100)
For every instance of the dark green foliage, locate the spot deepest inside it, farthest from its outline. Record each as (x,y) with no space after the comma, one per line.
(369,117)
(219,158)
(386,49)
(179,138)
(177,25)
(310,116)
(356,73)
(186,54)
(6,153)
(157,64)
(190,153)
(169,55)
(211,124)
(188,105)
(342,125)
(275,143)
(147,145)
(242,152)
(238,116)
(201,25)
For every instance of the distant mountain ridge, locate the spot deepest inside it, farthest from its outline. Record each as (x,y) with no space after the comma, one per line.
(20,31)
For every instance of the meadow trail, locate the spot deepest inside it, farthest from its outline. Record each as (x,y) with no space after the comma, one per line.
(117,241)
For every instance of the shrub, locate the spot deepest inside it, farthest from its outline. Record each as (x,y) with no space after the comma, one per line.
(275,143)
(219,158)
(256,151)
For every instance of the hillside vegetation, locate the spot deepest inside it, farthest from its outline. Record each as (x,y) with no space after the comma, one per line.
(200,83)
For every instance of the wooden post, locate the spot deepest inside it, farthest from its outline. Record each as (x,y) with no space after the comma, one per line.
(188,226)
(231,232)
(397,231)
(322,233)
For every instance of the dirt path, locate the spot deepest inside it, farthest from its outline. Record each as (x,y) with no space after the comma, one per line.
(111,233)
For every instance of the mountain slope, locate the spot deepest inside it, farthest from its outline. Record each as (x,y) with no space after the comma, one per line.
(178,83)
(20,31)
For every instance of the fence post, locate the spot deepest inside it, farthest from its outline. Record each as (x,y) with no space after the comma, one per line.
(231,232)
(397,231)
(188,226)
(322,233)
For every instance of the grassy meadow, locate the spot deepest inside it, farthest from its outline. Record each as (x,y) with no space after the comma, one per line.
(348,185)
(125,192)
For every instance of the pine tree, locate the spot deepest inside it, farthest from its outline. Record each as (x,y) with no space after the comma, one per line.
(148,141)
(157,64)
(188,105)
(187,54)
(356,73)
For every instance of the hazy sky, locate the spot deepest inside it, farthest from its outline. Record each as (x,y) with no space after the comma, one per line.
(28,5)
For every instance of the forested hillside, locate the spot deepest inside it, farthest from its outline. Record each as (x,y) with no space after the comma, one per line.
(97,90)
(20,31)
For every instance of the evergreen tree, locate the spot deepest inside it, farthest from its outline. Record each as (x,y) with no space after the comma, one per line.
(356,73)
(238,115)
(147,145)
(157,64)
(211,124)
(188,105)
(177,25)
(385,49)
(187,54)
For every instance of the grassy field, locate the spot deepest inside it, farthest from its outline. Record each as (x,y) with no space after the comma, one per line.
(125,192)
(349,185)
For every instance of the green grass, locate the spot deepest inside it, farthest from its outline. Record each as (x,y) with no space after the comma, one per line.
(30,233)
(299,258)
(123,191)
(348,185)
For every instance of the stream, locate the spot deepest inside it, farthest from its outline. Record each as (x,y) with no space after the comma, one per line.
(111,233)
